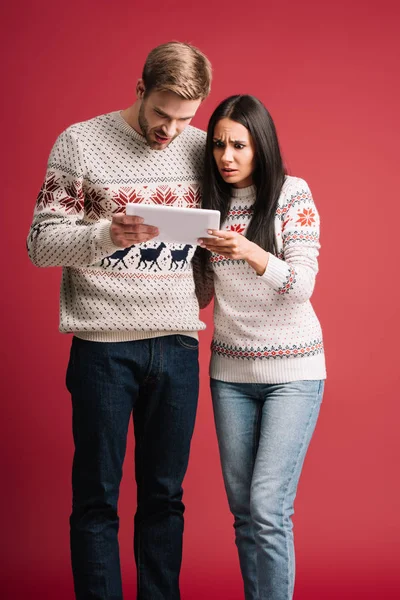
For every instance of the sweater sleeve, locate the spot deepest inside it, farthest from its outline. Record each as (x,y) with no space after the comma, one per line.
(203,278)
(292,275)
(59,234)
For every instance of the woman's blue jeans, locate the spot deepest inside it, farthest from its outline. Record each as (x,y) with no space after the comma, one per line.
(156,380)
(263,433)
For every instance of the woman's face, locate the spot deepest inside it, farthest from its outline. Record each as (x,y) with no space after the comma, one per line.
(234,153)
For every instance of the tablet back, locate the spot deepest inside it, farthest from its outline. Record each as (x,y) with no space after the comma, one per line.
(179,225)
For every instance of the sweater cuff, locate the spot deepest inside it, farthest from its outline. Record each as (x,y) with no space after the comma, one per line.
(104,244)
(275,273)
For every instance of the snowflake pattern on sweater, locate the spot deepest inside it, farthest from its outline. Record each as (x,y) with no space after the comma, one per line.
(108,293)
(266,330)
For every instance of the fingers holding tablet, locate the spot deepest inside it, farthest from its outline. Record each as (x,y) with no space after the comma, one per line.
(126,230)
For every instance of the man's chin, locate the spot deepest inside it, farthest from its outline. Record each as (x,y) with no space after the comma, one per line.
(158,144)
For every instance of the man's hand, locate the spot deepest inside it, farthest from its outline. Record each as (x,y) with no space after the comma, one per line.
(128,230)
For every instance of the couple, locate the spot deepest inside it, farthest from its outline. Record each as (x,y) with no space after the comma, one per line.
(135,343)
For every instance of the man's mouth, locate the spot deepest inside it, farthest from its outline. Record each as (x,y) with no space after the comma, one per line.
(161,139)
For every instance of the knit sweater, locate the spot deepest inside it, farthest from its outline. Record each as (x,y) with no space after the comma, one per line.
(109,293)
(266,330)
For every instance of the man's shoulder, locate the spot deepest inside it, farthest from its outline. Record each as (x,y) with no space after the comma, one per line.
(193,135)
(100,122)
(196,131)
(190,145)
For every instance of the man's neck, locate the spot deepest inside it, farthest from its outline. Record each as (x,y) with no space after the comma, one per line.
(131,116)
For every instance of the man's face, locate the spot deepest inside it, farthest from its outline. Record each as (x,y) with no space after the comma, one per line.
(163,116)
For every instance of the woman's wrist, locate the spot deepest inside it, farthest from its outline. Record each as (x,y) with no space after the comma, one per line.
(257,258)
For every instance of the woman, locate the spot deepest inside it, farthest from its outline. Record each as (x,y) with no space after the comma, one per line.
(267,366)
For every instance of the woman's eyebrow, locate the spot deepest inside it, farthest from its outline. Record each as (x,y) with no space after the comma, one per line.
(218,139)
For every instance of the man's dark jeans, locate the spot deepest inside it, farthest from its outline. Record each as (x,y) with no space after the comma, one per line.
(156,380)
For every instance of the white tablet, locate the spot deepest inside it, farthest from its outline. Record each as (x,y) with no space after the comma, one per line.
(179,225)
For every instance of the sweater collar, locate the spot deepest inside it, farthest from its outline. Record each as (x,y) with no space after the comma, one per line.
(247,193)
(124,126)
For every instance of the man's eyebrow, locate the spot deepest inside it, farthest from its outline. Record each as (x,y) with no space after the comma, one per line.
(164,114)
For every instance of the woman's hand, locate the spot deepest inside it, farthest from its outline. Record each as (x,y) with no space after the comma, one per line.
(235,246)
(229,244)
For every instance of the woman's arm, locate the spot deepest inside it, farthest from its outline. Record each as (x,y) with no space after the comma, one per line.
(292,275)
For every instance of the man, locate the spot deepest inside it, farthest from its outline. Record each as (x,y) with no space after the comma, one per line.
(134,318)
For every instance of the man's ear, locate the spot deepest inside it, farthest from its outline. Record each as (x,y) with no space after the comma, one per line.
(140,89)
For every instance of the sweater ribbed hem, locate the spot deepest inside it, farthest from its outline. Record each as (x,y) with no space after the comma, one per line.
(128,336)
(104,240)
(275,272)
(277,370)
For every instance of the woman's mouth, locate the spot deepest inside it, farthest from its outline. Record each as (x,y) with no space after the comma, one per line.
(228,172)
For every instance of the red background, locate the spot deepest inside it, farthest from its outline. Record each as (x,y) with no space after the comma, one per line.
(328,74)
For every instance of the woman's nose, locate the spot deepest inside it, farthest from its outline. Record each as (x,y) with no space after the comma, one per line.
(227,155)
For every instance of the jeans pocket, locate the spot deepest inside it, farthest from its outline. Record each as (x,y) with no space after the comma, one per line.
(187,342)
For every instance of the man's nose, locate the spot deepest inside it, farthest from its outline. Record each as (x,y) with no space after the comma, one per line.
(170,128)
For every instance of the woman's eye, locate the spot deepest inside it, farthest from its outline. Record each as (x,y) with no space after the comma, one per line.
(218,144)
(239,146)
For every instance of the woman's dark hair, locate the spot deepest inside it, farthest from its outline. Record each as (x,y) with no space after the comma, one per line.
(269,173)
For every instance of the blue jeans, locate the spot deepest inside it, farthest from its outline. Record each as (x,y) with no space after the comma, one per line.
(263,434)
(156,380)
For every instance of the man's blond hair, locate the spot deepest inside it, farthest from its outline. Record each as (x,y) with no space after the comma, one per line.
(180,68)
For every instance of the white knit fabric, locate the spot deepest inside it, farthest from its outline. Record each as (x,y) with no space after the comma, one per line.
(266,330)
(107,293)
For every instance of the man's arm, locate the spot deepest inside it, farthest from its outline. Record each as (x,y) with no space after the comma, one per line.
(60,235)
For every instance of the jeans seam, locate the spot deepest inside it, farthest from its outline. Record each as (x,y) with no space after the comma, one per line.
(146,378)
(291,478)
(256,433)
(151,358)
(138,529)
(161,356)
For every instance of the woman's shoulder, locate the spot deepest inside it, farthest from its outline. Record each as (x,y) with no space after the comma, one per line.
(294,188)
(295,183)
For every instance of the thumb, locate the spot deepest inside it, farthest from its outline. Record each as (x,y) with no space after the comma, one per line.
(218,233)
